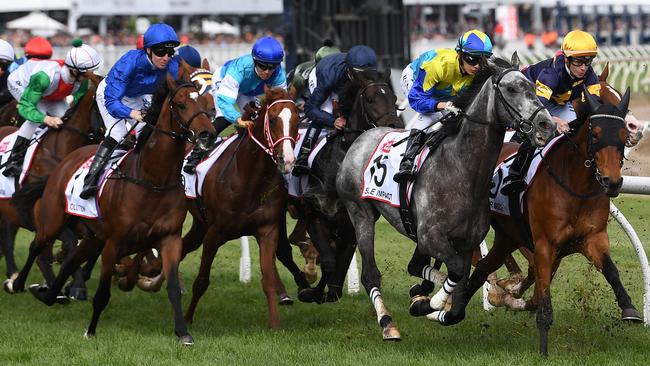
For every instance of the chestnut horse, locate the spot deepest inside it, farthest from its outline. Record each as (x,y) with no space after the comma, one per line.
(80,128)
(144,206)
(244,194)
(566,208)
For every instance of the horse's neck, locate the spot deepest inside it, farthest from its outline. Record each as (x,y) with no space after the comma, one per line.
(251,156)
(570,164)
(66,140)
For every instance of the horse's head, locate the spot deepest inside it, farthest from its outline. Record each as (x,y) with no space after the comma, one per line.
(517,102)
(369,101)
(278,120)
(605,139)
(192,121)
(610,95)
(202,78)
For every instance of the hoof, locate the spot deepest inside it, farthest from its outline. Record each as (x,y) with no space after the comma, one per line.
(334,294)
(512,285)
(40,293)
(186,340)
(309,295)
(286,300)
(79,294)
(391,333)
(61,299)
(420,306)
(631,315)
(417,290)
(89,335)
(8,285)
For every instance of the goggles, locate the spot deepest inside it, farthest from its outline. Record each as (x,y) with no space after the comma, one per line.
(162,51)
(579,61)
(471,59)
(265,67)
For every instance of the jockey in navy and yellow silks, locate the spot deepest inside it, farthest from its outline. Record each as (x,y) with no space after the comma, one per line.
(440,76)
(558,81)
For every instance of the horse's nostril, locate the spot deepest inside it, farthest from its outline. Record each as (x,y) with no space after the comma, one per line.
(544,125)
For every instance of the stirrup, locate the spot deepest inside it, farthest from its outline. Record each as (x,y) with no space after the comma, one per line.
(404,175)
(89,191)
(12,170)
(300,169)
(514,186)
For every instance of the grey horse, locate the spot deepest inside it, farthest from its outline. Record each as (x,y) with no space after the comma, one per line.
(450,196)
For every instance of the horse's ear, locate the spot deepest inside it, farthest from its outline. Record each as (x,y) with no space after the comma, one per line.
(386,75)
(603,75)
(592,100)
(205,64)
(514,60)
(625,101)
(293,92)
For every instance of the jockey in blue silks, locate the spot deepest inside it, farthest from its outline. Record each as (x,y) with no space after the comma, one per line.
(325,82)
(240,81)
(127,90)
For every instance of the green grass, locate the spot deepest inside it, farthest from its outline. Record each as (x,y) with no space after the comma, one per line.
(230,323)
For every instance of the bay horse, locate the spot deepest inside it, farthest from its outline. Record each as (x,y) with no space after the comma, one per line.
(244,194)
(81,127)
(566,208)
(143,206)
(9,114)
(451,210)
(367,101)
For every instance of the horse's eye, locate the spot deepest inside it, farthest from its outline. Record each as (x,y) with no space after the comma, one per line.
(511,89)
(181,106)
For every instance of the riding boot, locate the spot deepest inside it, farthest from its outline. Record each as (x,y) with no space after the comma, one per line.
(220,124)
(515,182)
(406,167)
(302,162)
(90,181)
(15,162)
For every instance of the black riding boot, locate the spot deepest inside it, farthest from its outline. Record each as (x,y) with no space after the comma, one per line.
(15,162)
(302,162)
(103,153)
(406,166)
(515,182)
(220,124)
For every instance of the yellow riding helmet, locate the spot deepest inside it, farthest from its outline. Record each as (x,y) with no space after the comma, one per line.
(579,43)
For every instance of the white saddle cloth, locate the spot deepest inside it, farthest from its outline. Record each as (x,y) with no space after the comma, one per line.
(7,184)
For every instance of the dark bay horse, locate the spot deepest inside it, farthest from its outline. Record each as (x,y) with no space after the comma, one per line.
(450,196)
(9,114)
(244,194)
(143,206)
(566,210)
(80,128)
(367,101)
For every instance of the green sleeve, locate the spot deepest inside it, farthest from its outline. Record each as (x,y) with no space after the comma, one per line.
(83,88)
(38,84)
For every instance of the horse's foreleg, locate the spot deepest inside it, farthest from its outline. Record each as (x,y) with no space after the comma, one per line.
(545,256)
(321,237)
(286,258)
(458,266)
(194,237)
(267,237)
(596,249)
(212,242)
(8,240)
(171,253)
(345,248)
(103,294)
(18,284)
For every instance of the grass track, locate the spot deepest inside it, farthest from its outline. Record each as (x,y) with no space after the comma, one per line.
(230,322)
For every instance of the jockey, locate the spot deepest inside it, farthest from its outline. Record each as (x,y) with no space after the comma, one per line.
(7,56)
(300,75)
(37,47)
(558,81)
(40,87)
(437,77)
(240,81)
(190,55)
(328,77)
(126,92)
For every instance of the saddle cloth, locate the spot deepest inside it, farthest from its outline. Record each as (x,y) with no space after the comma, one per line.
(499,202)
(194,182)
(89,208)
(7,184)
(296,186)
(378,183)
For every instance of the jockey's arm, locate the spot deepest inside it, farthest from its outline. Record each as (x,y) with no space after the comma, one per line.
(227,97)
(312,107)
(83,88)
(116,83)
(420,100)
(592,83)
(546,82)
(38,83)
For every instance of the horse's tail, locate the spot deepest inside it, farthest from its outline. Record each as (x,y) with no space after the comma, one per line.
(25,198)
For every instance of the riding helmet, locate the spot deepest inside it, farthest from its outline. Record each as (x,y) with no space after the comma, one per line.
(82,57)
(475,42)
(268,50)
(6,51)
(578,43)
(38,47)
(161,35)
(361,57)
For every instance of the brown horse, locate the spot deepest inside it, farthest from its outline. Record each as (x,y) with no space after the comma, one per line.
(80,128)
(142,207)
(566,209)
(244,194)
(9,114)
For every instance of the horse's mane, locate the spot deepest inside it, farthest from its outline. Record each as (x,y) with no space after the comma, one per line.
(352,87)
(153,112)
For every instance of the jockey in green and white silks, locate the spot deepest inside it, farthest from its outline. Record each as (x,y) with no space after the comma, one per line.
(40,87)
(7,56)
(438,76)
(240,81)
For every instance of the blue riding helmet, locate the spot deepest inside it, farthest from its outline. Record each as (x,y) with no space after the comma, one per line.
(268,50)
(162,35)
(475,43)
(361,57)
(190,55)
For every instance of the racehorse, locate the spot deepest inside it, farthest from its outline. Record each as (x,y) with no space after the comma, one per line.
(566,209)
(244,194)
(80,128)
(143,206)
(450,196)
(367,101)
(9,114)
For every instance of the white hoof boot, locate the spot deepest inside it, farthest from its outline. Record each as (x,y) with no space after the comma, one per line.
(9,285)
(437,316)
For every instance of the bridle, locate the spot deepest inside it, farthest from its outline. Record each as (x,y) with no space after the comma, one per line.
(360,100)
(270,143)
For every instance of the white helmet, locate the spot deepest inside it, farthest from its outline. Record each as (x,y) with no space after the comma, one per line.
(6,51)
(82,57)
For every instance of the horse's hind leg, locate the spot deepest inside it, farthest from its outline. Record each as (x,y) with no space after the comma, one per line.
(171,252)
(211,244)
(8,240)
(194,237)
(321,237)
(596,249)
(286,258)
(103,294)
(345,247)
(267,237)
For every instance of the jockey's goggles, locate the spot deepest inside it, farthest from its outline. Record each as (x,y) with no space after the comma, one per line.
(265,67)
(471,60)
(162,51)
(583,60)
(4,64)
